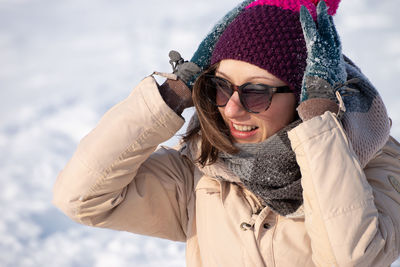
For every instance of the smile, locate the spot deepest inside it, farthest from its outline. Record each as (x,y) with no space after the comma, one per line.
(244,128)
(243,132)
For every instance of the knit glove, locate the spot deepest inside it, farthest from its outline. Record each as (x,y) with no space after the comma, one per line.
(176,91)
(325,71)
(184,70)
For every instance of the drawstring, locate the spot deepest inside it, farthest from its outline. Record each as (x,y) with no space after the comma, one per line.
(337,87)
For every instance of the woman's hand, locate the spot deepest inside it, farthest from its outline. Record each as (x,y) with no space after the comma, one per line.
(325,59)
(184,70)
(177,89)
(325,64)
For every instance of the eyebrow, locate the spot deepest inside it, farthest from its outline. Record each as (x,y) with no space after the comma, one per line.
(249,78)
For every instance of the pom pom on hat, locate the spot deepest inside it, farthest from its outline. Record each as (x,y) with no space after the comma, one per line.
(295,5)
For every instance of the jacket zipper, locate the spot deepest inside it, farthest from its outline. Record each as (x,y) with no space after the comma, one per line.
(272,241)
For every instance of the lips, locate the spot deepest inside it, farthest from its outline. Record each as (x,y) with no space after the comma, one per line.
(240,131)
(244,128)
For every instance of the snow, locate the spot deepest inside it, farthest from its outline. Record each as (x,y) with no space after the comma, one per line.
(64,63)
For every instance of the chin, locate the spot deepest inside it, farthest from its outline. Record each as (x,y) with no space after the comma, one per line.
(248,141)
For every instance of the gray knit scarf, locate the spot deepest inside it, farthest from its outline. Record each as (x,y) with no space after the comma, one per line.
(269,169)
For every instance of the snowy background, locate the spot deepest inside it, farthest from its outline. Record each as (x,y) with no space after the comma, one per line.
(64,63)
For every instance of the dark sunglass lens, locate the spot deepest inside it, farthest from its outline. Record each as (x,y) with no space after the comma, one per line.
(223,91)
(256,97)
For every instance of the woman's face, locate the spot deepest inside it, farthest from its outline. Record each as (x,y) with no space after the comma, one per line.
(247,127)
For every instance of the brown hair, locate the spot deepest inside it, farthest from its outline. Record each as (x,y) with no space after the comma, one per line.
(215,135)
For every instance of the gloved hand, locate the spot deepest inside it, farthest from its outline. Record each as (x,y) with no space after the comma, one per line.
(184,70)
(176,90)
(325,71)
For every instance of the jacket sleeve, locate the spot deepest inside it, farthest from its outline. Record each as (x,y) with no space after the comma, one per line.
(115,178)
(352,216)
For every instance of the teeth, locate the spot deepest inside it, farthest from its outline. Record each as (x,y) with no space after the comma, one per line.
(244,128)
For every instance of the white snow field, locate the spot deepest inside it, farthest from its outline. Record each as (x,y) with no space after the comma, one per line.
(64,63)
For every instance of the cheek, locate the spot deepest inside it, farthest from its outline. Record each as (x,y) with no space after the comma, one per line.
(285,114)
(280,114)
(285,108)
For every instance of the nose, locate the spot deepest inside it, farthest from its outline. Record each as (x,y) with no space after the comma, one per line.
(234,108)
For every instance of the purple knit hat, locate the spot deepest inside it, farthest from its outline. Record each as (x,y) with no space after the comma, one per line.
(268,34)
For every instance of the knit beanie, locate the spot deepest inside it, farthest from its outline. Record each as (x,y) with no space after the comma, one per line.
(268,34)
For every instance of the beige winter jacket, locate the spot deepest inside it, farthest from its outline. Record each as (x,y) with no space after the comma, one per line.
(118,178)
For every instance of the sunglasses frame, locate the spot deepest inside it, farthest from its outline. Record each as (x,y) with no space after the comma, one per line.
(239,89)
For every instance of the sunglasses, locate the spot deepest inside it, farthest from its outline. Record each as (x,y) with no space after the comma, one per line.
(255,98)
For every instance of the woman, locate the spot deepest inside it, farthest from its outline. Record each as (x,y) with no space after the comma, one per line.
(287,162)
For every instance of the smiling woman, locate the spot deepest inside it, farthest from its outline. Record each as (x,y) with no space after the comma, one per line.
(286,161)
(277,110)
